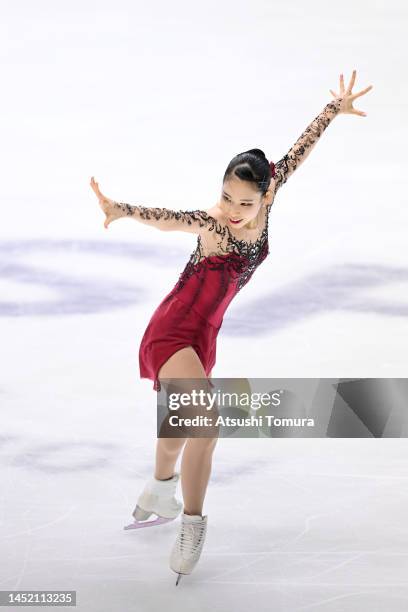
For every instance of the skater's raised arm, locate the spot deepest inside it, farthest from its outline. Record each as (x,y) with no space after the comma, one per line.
(342,103)
(297,154)
(163,219)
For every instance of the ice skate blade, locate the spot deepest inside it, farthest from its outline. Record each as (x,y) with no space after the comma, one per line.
(140,524)
(178,579)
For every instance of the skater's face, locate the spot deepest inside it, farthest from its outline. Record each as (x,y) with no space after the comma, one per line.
(240,201)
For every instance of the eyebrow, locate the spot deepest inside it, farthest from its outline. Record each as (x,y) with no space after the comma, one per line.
(243,200)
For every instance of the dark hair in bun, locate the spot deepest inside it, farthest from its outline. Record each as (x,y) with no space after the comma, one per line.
(252,166)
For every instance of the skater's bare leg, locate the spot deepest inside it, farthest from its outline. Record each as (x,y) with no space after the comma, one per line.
(167,453)
(195,472)
(197,455)
(182,364)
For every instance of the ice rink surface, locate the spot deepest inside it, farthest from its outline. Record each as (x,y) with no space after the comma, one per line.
(154,100)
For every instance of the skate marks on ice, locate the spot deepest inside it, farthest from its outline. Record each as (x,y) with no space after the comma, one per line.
(307,580)
(335,288)
(55,458)
(338,288)
(72,456)
(76,294)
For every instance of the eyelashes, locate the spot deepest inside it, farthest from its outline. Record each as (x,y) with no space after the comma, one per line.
(243,204)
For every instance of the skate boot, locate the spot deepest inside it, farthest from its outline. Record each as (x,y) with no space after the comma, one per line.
(157,497)
(189,544)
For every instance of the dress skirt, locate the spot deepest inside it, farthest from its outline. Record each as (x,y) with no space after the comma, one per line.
(174,325)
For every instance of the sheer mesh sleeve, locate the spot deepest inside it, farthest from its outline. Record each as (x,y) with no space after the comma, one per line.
(285,167)
(168,220)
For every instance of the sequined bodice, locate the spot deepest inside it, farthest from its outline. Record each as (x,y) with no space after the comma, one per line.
(220,265)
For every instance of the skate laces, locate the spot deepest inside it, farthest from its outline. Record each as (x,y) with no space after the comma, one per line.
(190,537)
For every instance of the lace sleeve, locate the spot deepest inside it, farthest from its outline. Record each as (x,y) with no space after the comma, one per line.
(168,220)
(285,167)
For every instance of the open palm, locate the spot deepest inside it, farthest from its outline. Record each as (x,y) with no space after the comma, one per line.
(347,97)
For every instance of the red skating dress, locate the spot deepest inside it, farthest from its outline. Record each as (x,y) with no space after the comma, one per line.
(192,313)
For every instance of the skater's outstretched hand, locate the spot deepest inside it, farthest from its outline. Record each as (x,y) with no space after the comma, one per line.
(347,97)
(111,211)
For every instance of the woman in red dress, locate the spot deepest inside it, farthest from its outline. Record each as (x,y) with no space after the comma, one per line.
(180,339)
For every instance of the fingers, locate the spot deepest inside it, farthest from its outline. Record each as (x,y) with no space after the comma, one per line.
(352,80)
(351,84)
(341,84)
(95,187)
(360,93)
(357,112)
(333,94)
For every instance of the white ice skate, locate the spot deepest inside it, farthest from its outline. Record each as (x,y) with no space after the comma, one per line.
(157,497)
(189,544)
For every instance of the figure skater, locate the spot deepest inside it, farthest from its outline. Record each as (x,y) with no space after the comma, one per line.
(180,339)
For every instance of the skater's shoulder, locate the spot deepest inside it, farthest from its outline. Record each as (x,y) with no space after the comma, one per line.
(212,212)
(216,215)
(212,218)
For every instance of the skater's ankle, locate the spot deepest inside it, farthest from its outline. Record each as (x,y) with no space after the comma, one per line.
(169,478)
(194,513)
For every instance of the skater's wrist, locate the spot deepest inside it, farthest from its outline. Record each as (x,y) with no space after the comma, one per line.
(122,209)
